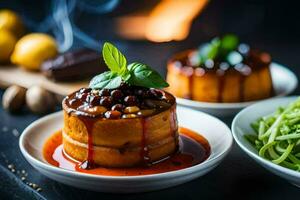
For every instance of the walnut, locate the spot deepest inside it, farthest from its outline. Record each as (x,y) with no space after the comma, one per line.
(39,100)
(13,98)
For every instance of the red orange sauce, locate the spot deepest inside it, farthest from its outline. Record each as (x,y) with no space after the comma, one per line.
(144,148)
(193,149)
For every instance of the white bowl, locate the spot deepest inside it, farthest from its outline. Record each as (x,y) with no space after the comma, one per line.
(284,83)
(216,132)
(241,126)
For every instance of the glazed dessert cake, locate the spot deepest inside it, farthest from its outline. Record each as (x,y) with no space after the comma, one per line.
(125,128)
(120,123)
(242,74)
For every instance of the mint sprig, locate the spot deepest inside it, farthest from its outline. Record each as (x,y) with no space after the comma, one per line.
(143,75)
(107,80)
(218,48)
(113,58)
(137,74)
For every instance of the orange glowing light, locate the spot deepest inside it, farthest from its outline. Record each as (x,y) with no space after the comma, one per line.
(169,20)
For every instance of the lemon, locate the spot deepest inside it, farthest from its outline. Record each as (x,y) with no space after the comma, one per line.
(7,44)
(33,49)
(9,20)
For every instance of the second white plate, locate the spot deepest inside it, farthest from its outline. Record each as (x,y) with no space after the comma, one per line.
(284,83)
(241,126)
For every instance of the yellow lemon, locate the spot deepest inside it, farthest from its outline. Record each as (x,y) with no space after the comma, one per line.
(33,49)
(7,44)
(9,20)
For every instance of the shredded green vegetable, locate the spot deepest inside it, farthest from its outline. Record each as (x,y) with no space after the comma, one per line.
(277,136)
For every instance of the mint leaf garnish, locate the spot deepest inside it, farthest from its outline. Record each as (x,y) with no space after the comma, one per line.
(107,80)
(113,58)
(209,50)
(218,48)
(229,42)
(135,74)
(143,75)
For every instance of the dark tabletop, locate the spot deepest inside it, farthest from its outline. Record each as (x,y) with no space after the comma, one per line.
(238,176)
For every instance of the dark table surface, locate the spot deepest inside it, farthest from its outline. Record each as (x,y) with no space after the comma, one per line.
(238,176)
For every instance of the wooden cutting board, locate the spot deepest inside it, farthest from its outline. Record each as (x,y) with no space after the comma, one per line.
(10,75)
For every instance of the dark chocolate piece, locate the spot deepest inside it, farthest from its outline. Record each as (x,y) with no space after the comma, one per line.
(73,66)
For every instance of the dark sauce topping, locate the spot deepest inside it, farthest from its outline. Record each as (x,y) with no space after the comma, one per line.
(123,102)
(243,60)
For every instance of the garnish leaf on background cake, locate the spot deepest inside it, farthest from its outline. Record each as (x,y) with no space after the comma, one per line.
(229,42)
(137,74)
(218,48)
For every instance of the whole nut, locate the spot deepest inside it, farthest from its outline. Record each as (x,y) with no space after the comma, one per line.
(146,112)
(130,100)
(95,110)
(113,114)
(131,109)
(127,116)
(39,100)
(118,107)
(13,98)
(95,92)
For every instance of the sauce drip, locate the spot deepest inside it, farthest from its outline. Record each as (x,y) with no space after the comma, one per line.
(173,125)
(193,149)
(144,148)
(221,87)
(89,124)
(173,122)
(242,87)
(191,83)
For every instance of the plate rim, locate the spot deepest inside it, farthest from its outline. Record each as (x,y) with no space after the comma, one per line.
(238,105)
(46,166)
(253,155)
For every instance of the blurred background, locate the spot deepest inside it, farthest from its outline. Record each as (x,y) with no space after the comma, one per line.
(160,28)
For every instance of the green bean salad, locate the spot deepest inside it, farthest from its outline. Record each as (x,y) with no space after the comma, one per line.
(277,136)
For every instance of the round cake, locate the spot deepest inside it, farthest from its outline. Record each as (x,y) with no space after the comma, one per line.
(120,127)
(242,74)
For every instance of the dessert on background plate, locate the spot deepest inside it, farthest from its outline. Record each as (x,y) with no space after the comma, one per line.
(221,71)
(124,124)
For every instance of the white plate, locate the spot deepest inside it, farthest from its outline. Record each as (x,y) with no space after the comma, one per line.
(216,132)
(241,126)
(284,83)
